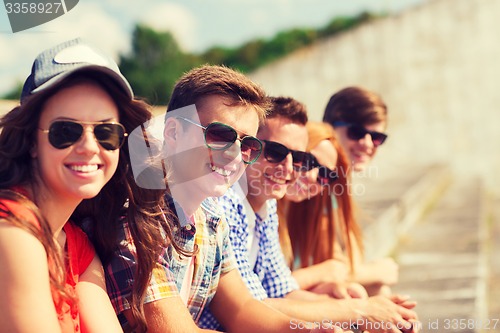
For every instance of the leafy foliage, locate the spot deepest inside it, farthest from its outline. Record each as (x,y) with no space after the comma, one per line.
(156,60)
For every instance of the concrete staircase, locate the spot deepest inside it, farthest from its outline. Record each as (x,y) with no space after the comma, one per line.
(444,231)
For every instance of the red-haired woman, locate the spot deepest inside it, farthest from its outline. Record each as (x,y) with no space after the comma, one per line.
(319,233)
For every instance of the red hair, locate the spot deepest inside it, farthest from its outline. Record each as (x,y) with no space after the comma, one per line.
(308,228)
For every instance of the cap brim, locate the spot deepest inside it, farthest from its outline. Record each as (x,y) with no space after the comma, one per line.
(118,78)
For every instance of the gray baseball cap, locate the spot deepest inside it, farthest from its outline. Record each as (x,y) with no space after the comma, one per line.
(54,64)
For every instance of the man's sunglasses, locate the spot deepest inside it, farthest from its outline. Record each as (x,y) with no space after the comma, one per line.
(356,132)
(65,133)
(326,176)
(219,136)
(275,152)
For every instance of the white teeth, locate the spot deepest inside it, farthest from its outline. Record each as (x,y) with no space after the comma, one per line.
(278,180)
(221,171)
(84,168)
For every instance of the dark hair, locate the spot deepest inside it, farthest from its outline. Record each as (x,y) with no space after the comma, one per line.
(289,108)
(120,197)
(218,80)
(355,105)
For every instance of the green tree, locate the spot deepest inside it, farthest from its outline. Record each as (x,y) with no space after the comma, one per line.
(15,93)
(155,63)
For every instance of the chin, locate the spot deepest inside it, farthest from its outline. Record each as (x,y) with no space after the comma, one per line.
(358,167)
(277,194)
(219,191)
(88,192)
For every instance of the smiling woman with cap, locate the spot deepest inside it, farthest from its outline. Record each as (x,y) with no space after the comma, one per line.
(62,149)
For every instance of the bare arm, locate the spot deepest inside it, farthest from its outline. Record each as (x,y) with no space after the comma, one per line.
(238,312)
(326,271)
(168,315)
(382,271)
(26,304)
(96,312)
(356,311)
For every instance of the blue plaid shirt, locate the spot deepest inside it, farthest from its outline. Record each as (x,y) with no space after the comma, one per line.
(214,258)
(271,276)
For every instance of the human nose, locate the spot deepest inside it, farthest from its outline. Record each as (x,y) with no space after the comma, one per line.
(233,153)
(87,142)
(288,164)
(367,141)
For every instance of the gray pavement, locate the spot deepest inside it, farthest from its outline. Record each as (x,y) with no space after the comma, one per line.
(394,200)
(494,261)
(443,263)
(444,231)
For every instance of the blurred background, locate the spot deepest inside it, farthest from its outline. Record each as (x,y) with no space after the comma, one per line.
(434,187)
(434,62)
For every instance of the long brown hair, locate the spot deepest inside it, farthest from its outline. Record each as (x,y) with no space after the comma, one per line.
(119,199)
(308,228)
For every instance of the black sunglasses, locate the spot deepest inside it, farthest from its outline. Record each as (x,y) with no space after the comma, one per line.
(219,136)
(275,152)
(326,176)
(356,132)
(65,133)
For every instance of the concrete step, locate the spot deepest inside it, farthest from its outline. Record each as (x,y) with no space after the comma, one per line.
(443,262)
(391,203)
(494,261)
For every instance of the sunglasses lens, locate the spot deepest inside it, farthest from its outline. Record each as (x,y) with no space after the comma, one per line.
(378,138)
(219,136)
(309,162)
(355,132)
(63,134)
(250,149)
(275,152)
(110,136)
(301,161)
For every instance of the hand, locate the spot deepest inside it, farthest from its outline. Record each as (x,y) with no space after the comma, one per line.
(387,316)
(404,301)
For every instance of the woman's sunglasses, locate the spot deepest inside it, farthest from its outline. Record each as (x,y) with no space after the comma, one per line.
(275,152)
(219,136)
(326,176)
(356,132)
(65,133)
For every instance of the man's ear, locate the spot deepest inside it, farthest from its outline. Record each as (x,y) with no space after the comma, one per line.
(171,131)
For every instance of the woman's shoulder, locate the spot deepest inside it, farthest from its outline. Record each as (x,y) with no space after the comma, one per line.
(9,207)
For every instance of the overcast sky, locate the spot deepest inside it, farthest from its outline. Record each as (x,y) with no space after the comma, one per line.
(196,24)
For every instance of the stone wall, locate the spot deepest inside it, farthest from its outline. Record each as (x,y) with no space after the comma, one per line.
(438,68)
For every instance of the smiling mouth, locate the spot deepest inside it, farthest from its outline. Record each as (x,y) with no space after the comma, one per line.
(279,181)
(221,171)
(87,168)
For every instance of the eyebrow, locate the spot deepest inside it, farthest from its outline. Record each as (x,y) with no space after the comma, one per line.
(77,120)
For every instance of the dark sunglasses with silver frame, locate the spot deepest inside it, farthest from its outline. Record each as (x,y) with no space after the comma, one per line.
(65,133)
